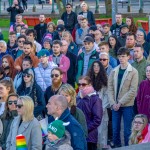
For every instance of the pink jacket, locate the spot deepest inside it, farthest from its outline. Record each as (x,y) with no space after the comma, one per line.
(147,137)
(64,66)
(12,28)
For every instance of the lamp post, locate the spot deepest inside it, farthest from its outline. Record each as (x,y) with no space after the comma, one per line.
(114,10)
(129,6)
(97,7)
(34,7)
(53,11)
(0,6)
(141,6)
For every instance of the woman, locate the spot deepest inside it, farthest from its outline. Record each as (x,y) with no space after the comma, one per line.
(26,125)
(51,34)
(8,66)
(47,44)
(91,105)
(26,63)
(114,45)
(141,39)
(72,46)
(99,80)
(140,130)
(131,24)
(29,87)
(144,94)
(87,14)
(7,117)
(68,91)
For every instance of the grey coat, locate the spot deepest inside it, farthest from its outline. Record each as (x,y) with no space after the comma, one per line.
(31,130)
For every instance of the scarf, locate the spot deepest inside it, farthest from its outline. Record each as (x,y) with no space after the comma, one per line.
(87,90)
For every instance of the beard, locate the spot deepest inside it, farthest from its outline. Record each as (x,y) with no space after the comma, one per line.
(129,45)
(56,84)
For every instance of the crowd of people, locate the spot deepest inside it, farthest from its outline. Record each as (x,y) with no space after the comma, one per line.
(90,80)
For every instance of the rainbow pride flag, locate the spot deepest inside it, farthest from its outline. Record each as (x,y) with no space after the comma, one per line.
(21,142)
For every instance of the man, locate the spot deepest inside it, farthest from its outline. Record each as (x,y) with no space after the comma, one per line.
(27,51)
(60,28)
(81,32)
(87,57)
(59,59)
(69,17)
(140,62)
(31,35)
(123,34)
(58,107)
(12,45)
(115,28)
(104,59)
(98,37)
(19,51)
(18,21)
(106,30)
(56,77)
(3,50)
(73,59)
(122,88)
(14,10)
(40,28)
(43,71)
(104,47)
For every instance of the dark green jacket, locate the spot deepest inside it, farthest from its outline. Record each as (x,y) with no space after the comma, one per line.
(80,62)
(141,68)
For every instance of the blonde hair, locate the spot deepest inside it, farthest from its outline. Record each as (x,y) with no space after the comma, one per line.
(84,3)
(68,89)
(28,107)
(135,134)
(70,36)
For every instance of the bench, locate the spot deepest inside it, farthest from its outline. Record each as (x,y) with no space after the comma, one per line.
(144,25)
(104,20)
(32,21)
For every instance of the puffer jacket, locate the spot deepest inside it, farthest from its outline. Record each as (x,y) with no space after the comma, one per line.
(62,144)
(43,75)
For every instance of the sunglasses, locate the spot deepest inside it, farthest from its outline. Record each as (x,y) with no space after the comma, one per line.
(21,41)
(26,75)
(103,59)
(82,84)
(19,106)
(68,7)
(11,102)
(54,75)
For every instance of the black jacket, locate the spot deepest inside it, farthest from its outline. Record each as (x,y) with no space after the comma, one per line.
(13,12)
(40,30)
(72,69)
(90,17)
(70,20)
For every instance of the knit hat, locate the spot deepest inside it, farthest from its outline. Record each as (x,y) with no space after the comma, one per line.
(48,40)
(43,52)
(88,39)
(142,30)
(57,128)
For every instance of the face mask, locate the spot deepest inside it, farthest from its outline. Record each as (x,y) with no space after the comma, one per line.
(6,68)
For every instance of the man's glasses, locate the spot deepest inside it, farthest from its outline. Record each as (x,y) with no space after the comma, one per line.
(26,75)
(68,7)
(19,106)
(103,59)
(11,102)
(54,75)
(82,84)
(21,41)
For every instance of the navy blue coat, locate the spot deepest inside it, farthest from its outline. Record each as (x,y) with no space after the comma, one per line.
(78,141)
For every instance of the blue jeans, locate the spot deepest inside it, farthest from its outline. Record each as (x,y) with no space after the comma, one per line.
(127,113)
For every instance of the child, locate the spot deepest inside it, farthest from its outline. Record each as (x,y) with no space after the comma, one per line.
(57,138)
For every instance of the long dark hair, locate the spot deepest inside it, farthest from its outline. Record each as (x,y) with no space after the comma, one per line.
(101,79)
(117,45)
(132,27)
(32,92)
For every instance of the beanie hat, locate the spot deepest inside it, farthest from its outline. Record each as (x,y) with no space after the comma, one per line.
(143,31)
(57,128)
(43,52)
(48,40)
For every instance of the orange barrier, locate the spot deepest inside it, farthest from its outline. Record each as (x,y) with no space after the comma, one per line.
(144,25)
(104,20)
(32,21)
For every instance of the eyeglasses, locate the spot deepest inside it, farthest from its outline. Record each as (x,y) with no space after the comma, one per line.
(138,122)
(21,41)
(19,106)
(82,84)
(68,7)
(103,59)
(54,75)
(26,75)
(11,102)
